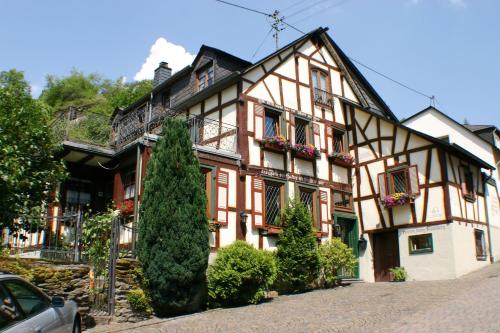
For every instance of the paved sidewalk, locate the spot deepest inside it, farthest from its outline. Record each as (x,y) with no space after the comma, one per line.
(468,304)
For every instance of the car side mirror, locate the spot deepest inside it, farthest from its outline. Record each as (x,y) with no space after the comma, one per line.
(57,302)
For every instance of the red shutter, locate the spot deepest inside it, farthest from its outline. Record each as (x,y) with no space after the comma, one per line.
(259,113)
(317,141)
(292,128)
(413,180)
(323,211)
(329,139)
(258,204)
(222,196)
(382,185)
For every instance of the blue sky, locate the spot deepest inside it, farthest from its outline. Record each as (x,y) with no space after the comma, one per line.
(446,48)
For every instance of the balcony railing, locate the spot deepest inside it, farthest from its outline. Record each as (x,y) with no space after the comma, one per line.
(84,127)
(323,97)
(212,133)
(134,124)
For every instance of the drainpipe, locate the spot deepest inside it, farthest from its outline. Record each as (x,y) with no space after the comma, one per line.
(488,177)
(138,167)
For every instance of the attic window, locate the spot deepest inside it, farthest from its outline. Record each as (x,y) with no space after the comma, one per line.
(205,77)
(467,185)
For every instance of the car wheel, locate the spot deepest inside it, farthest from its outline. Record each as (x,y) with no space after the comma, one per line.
(77,327)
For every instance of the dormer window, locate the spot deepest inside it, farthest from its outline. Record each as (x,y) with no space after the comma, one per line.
(205,77)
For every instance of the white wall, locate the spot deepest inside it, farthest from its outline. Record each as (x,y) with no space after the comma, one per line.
(436,265)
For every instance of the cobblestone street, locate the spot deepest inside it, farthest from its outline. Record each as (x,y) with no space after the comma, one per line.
(468,304)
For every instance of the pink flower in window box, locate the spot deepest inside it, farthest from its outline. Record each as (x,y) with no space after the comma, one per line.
(396,199)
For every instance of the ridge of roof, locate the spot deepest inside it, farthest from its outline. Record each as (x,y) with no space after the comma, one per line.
(432,108)
(351,66)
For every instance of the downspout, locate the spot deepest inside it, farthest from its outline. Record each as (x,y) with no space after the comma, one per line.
(137,187)
(492,260)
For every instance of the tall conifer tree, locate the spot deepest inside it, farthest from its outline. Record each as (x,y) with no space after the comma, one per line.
(173,230)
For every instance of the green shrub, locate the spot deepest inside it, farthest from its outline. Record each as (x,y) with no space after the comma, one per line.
(139,301)
(335,257)
(399,274)
(297,250)
(240,275)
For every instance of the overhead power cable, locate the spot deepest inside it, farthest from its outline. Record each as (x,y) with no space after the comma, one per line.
(393,80)
(243,7)
(262,43)
(322,10)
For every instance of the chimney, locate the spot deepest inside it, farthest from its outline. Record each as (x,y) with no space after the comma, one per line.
(162,73)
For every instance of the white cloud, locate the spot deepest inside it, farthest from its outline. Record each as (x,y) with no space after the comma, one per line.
(162,50)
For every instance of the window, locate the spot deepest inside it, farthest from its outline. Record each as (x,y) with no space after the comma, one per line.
(301,131)
(342,200)
(420,243)
(338,142)
(205,77)
(321,87)
(30,300)
(274,197)
(319,79)
(272,124)
(480,244)
(308,197)
(9,314)
(467,180)
(398,181)
(129,184)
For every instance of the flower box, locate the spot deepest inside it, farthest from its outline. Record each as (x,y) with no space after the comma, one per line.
(342,159)
(306,152)
(276,143)
(396,199)
(126,207)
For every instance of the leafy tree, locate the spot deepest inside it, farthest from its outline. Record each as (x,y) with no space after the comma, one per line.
(121,95)
(173,231)
(240,275)
(76,90)
(28,169)
(335,257)
(297,250)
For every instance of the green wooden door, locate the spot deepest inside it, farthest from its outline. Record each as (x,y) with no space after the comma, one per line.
(350,235)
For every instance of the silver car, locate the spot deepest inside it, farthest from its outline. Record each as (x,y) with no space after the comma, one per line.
(25,309)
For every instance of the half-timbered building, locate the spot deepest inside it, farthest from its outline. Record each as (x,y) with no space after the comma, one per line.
(304,123)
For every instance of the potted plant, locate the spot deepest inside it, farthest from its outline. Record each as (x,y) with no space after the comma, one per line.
(276,143)
(398,274)
(396,199)
(342,158)
(126,207)
(307,152)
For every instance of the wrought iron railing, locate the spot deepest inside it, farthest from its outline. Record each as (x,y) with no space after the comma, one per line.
(323,97)
(85,127)
(212,133)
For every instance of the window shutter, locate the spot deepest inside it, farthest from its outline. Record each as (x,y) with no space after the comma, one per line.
(316,142)
(382,185)
(259,115)
(413,180)
(222,196)
(329,139)
(323,211)
(292,129)
(257,201)
(283,126)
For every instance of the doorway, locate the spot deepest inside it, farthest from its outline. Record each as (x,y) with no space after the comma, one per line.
(385,254)
(347,226)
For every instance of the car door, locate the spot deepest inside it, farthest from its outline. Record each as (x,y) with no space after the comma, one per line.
(36,307)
